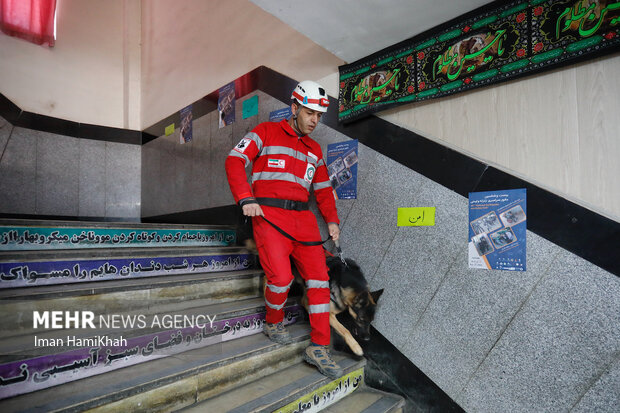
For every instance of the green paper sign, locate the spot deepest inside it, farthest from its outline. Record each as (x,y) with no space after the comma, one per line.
(250,107)
(416,217)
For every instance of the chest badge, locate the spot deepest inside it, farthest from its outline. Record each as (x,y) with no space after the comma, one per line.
(276,163)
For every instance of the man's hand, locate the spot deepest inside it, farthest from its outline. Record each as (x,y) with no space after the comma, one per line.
(334,230)
(252,210)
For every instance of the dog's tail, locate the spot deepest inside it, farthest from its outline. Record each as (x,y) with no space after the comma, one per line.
(250,245)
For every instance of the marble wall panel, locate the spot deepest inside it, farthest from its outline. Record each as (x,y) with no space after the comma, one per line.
(92,185)
(603,396)
(222,141)
(18,173)
(5,132)
(123,177)
(198,190)
(370,227)
(58,168)
(565,336)
(466,315)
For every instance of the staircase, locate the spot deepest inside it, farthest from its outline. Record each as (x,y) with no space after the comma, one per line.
(152,317)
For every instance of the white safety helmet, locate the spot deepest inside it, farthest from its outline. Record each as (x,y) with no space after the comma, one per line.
(311,95)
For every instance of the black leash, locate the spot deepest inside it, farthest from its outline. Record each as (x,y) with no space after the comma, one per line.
(339,251)
(308,243)
(289,236)
(294,206)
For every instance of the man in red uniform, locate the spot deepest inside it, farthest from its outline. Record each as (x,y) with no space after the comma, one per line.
(286,164)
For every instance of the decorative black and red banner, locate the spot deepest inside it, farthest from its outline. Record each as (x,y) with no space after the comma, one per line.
(502,41)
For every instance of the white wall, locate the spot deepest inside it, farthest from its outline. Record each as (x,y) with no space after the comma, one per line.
(193,47)
(558,130)
(89,75)
(131,63)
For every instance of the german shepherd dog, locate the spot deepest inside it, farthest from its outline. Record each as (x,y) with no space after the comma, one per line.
(348,292)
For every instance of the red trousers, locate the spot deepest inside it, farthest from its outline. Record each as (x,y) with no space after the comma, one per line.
(275,251)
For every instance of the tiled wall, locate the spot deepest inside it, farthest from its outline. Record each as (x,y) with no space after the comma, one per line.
(547,339)
(544,340)
(185,177)
(46,174)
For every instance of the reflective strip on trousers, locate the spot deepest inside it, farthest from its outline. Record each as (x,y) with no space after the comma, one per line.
(317,284)
(279,290)
(275,307)
(318,308)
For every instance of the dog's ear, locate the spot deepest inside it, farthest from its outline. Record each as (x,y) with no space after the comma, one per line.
(376,294)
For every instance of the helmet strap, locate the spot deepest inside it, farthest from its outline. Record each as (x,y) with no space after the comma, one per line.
(295,125)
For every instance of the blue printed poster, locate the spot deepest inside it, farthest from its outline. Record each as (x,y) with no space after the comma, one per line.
(186,125)
(342,168)
(497,230)
(280,114)
(226,105)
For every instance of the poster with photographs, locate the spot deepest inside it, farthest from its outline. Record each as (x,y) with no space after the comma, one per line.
(186,125)
(497,230)
(342,168)
(226,105)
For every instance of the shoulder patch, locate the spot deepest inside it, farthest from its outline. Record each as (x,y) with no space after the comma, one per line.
(242,145)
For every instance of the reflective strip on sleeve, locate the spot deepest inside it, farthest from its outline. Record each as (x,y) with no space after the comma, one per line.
(317,284)
(321,185)
(318,308)
(240,155)
(280,176)
(276,307)
(279,290)
(257,140)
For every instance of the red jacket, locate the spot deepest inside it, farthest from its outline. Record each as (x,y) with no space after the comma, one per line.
(284,167)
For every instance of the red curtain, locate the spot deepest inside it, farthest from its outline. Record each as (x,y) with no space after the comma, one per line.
(32,20)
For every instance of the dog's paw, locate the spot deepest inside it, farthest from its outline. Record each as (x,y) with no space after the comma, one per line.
(357,350)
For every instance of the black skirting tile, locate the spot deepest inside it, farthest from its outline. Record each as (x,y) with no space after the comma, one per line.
(108,134)
(443,165)
(49,124)
(9,110)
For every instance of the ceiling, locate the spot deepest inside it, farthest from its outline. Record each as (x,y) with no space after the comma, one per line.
(353,29)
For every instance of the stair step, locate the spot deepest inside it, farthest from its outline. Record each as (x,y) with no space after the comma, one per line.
(63,356)
(45,235)
(169,383)
(157,322)
(368,400)
(112,297)
(299,387)
(35,268)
